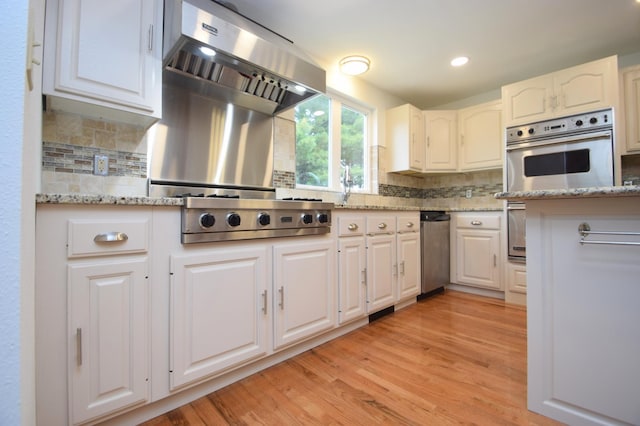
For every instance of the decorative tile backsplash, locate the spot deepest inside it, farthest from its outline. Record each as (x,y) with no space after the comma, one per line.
(58,157)
(631,169)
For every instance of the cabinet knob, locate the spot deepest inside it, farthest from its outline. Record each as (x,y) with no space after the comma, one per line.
(476,222)
(382,225)
(352,227)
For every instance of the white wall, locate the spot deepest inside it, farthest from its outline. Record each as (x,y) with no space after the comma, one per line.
(13,29)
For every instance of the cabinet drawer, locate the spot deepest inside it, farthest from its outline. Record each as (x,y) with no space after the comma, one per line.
(408,223)
(381,225)
(349,226)
(478,221)
(103,237)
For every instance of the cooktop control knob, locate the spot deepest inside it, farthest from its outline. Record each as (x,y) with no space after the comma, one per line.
(519,132)
(323,218)
(593,120)
(579,123)
(531,130)
(233,219)
(207,220)
(264,219)
(307,218)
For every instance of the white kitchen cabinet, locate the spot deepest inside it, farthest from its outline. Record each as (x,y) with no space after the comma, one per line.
(219,313)
(481,135)
(104,58)
(92,311)
(382,268)
(516,283)
(475,250)
(304,283)
(405,138)
(408,256)
(582,310)
(578,89)
(441,135)
(631,94)
(352,295)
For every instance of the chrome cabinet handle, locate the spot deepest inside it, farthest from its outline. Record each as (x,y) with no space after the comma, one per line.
(410,224)
(364,276)
(585,230)
(495,260)
(402,268)
(281,291)
(382,225)
(79,346)
(352,227)
(110,237)
(264,302)
(476,222)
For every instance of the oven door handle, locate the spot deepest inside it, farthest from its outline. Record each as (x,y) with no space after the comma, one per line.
(558,141)
(516,207)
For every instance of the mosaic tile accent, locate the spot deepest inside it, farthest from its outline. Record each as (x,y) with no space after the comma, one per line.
(478,190)
(284,179)
(631,169)
(67,158)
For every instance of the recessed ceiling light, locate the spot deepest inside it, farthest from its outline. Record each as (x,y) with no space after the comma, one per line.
(459,61)
(354,65)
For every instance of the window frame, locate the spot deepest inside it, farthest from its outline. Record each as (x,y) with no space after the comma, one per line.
(337,101)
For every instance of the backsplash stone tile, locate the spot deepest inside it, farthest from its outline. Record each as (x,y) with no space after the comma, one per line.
(631,169)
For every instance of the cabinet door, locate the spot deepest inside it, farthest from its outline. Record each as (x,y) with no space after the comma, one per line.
(631,80)
(351,279)
(381,272)
(304,290)
(528,101)
(408,265)
(405,137)
(108,336)
(417,146)
(477,258)
(218,312)
(105,51)
(586,87)
(481,136)
(441,141)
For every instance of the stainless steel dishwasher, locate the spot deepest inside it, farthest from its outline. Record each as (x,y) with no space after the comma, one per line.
(434,241)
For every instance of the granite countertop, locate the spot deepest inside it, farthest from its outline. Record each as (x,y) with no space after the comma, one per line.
(88,199)
(595,192)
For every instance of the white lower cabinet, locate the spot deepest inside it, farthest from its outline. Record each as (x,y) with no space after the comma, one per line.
(408,256)
(352,270)
(219,311)
(304,290)
(582,310)
(92,312)
(475,250)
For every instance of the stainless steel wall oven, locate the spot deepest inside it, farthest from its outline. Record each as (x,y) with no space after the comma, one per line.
(562,153)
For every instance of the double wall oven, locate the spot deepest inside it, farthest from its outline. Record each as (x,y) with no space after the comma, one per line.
(562,153)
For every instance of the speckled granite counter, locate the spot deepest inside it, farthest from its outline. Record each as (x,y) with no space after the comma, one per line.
(86,199)
(596,192)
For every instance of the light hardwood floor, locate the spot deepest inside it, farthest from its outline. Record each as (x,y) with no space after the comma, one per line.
(454,358)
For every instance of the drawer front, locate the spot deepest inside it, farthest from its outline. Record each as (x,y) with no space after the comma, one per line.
(408,223)
(88,237)
(381,225)
(350,226)
(478,221)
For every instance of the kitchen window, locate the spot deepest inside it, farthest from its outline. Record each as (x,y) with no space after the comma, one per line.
(331,133)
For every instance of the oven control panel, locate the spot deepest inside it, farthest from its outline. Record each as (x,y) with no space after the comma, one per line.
(559,126)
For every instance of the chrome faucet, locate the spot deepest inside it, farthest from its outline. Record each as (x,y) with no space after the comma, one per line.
(347,182)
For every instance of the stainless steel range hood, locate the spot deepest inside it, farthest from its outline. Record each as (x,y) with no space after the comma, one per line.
(252,67)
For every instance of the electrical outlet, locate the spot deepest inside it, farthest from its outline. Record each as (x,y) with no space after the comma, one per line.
(628,183)
(101,165)
(468,193)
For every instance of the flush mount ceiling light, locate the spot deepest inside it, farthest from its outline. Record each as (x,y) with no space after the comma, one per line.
(354,65)
(459,61)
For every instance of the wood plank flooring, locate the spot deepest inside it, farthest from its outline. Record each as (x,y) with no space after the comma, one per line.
(454,358)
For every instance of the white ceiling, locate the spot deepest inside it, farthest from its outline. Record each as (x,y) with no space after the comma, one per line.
(410,42)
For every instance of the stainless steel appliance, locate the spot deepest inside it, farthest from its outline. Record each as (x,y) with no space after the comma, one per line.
(434,242)
(209,219)
(225,77)
(563,153)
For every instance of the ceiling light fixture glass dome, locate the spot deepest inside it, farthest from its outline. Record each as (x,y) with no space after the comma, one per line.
(354,65)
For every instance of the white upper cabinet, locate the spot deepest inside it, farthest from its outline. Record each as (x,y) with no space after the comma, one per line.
(481,134)
(631,93)
(405,136)
(105,55)
(441,141)
(582,88)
